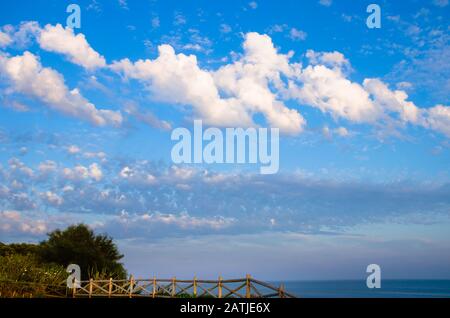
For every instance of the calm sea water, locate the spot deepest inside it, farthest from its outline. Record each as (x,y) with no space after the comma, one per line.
(358,288)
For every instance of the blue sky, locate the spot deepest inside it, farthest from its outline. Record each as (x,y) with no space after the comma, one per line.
(86,117)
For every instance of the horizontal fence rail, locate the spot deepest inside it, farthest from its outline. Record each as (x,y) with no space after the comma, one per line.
(179,288)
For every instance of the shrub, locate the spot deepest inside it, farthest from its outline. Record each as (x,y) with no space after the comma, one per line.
(24,274)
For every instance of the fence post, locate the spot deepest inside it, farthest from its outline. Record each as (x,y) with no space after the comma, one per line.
(219,287)
(195,286)
(247,286)
(174,287)
(131,285)
(154,287)
(91,283)
(281,291)
(110,287)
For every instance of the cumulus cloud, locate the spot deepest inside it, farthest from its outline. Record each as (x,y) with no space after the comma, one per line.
(22,35)
(75,47)
(259,81)
(394,101)
(27,76)
(177,78)
(331,92)
(329,59)
(54,38)
(5,39)
(254,83)
(438,118)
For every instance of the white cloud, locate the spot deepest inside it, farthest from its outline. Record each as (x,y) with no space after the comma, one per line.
(94,6)
(330,59)
(146,117)
(438,118)
(15,222)
(177,78)
(80,172)
(253,5)
(261,79)
(326,3)
(248,80)
(193,47)
(182,173)
(52,198)
(297,35)
(16,106)
(99,155)
(137,177)
(19,168)
(179,19)
(123,4)
(225,28)
(393,101)
(182,220)
(155,22)
(95,172)
(328,90)
(342,131)
(404,85)
(11,215)
(27,76)
(440,3)
(277,28)
(75,47)
(5,39)
(73,149)
(23,35)
(47,166)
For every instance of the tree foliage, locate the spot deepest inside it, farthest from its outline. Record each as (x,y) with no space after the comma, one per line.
(19,249)
(79,245)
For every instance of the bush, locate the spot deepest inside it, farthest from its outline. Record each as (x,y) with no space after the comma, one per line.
(25,274)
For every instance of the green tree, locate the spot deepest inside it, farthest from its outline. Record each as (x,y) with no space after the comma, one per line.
(79,245)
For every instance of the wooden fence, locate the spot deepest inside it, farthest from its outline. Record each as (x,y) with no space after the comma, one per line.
(247,287)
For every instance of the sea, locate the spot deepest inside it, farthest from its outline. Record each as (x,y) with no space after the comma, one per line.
(359,289)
